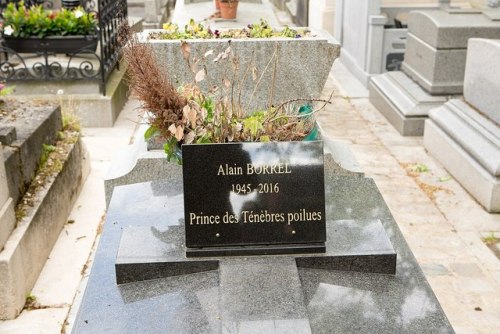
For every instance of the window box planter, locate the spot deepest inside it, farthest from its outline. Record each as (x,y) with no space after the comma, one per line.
(57,44)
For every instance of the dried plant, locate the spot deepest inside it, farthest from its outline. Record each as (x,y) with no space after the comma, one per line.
(215,115)
(150,84)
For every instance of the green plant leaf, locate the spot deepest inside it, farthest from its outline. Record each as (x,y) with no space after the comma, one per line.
(151,132)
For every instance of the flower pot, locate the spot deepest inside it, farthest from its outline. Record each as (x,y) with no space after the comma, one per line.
(228,9)
(217,5)
(70,3)
(57,44)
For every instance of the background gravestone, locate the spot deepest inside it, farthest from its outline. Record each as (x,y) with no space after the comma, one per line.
(465,136)
(437,46)
(433,68)
(482,84)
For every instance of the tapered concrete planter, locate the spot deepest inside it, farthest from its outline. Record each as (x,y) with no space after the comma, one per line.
(291,68)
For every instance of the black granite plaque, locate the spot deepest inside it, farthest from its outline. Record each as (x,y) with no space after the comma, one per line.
(241,194)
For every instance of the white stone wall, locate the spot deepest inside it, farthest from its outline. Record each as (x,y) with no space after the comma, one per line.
(322,15)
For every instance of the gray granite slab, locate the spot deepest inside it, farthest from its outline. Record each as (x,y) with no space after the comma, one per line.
(352,245)
(451,30)
(272,292)
(472,131)
(438,71)
(402,101)
(492,14)
(467,144)
(482,70)
(198,303)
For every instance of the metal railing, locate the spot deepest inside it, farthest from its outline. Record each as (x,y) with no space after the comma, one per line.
(86,63)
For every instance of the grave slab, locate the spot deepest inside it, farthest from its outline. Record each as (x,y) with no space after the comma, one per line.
(438,71)
(31,242)
(22,155)
(468,146)
(437,43)
(151,253)
(451,30)
(481,85)
(248,294)
(403,102)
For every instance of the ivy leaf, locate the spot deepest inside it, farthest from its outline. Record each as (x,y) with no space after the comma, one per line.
(253,125)
(265,139)
(151,132)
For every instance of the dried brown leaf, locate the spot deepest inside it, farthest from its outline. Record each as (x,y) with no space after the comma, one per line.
(172,128)
(254,73)
(200,76)
(185,111)
(189,138)
(203,114)
(179,133)
(208,53)
(226,52)
(186,50)
(192,117)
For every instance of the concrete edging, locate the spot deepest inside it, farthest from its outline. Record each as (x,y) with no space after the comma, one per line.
(31,242)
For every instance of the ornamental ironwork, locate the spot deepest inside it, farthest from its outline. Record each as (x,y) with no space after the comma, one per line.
(86,63)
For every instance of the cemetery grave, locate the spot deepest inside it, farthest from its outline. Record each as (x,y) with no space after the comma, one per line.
(31,130)
(433,68)
(266,237)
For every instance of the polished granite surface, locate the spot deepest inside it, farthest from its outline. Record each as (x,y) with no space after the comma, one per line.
(257,294)
(154,252)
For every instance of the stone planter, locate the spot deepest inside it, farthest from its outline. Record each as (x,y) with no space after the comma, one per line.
(285,68)
(57,44)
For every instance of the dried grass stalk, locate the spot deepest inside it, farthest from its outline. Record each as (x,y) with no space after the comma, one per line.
(150,84)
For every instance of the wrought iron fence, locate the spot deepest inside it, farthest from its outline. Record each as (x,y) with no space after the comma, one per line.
(86,63)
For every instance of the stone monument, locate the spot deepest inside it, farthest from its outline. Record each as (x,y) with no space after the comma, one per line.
(464,134)
(142,280)
(434,65)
